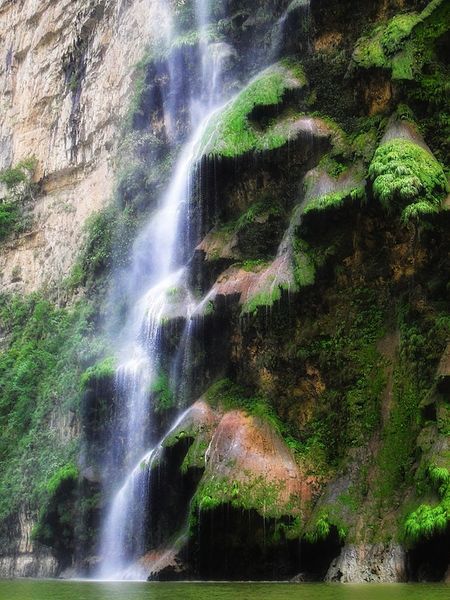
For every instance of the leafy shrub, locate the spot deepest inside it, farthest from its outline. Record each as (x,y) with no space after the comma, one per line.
(19,190)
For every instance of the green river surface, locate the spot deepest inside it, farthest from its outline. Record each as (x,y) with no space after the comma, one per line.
(79,590)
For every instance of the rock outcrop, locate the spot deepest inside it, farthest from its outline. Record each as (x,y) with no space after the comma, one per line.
(369,564)
(65,85)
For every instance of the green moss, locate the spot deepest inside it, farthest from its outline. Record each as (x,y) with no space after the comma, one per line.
(265,207)
(140,88)
(231,133)
(163,396)
(403,44)
(304,267)
(407,178)
(195,457)
(335,200)
(255,493)
(369,52)
(344,350)
(421,347)
(97,251)
(266,299)
(66,473)
(332,166)
(397,30)
(56,521)
(104,370)
(253,265)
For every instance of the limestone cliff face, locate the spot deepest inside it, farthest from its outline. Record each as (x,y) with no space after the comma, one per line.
(66,70)
(65,74)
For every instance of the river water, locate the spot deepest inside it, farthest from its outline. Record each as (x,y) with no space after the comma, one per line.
(80,590)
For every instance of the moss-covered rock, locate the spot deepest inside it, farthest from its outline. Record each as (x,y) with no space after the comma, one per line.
(232,131)
(406,178)
(327,193)
(402,44)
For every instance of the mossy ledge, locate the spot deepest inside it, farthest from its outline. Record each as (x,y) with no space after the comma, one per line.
(231,131)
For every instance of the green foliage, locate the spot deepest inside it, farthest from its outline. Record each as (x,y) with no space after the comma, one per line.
(267,206)
(45,352)
(332,166)
(421,347)
(66,473)
(231,133)
(428,520)
(97,251)
(407,178)
(322,526)
(255,493)
(253,265)
(19,174)
(9,218)
(19,190)
(397,30)
(104,370)
(163,396)
(403,45)
(56,521)
(140,88)
(304,267)
(335,200)
(344,350)
(266,298)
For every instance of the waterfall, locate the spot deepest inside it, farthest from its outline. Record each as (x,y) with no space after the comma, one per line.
(159,264)
(155,261)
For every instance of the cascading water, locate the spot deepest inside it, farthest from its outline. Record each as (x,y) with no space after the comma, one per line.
(159,265)
(155,258)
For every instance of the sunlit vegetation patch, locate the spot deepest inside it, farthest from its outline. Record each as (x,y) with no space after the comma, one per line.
(56,521)
(403,44)
(102,371)
(231,132)
(321,527)
(44,353)
(163,396)
(335,200)
(428,520)
(19,190)
(408,179)
(255,493)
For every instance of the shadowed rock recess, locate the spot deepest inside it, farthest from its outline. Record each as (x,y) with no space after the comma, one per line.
(224,304)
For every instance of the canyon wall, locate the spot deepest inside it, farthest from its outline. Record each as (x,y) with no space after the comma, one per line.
(316,442)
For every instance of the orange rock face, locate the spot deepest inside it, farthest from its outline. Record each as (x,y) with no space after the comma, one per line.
(246,450)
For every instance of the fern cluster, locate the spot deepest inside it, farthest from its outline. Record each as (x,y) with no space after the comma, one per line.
(408,178)
(428,520)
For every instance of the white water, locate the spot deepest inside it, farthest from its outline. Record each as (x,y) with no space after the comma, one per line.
(156,270)
(154,262)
